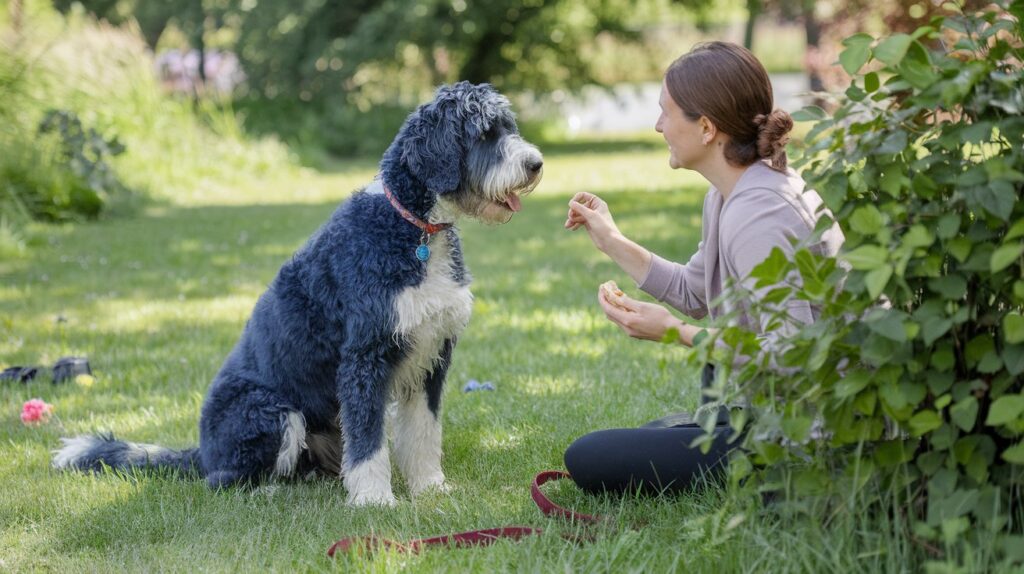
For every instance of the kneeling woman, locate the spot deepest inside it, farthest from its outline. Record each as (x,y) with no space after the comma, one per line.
(718,119)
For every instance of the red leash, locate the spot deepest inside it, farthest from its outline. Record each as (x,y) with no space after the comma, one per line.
(483,537)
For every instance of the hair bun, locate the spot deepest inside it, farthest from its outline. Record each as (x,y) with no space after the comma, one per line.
(772,136)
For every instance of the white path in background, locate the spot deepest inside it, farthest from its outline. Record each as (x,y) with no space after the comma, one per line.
(635,107)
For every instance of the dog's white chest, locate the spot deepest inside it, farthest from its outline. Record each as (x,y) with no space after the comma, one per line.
(429,313)
(438,304)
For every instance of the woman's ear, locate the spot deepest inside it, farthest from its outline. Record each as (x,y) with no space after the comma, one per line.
(708,130)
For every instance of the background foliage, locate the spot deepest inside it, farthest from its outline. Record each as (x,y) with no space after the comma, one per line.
(86,126)
(913,375)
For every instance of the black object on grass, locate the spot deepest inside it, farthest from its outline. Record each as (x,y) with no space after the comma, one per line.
(67,368)
(21,374)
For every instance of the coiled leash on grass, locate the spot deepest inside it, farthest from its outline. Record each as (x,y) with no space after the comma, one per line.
(484,537)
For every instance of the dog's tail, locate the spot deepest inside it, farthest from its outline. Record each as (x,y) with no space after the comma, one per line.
(93,452)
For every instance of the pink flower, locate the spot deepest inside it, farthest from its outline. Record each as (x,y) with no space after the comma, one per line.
(35,411)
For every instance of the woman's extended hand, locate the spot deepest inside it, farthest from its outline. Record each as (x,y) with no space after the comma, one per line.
(638,319)
(591,212)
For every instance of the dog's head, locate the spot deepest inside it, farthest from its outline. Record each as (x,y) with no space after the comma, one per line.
(465,147)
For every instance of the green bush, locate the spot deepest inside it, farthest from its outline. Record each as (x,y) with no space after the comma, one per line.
(103,79)
(909,390)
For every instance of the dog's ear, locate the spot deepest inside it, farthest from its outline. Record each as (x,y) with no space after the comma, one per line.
(432,146)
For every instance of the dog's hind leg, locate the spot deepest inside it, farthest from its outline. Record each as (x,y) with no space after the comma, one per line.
(362,390)
(418,429)
(247,436)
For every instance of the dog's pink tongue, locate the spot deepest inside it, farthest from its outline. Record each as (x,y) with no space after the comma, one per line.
(513,203)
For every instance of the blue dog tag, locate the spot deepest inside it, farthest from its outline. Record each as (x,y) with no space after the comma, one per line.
(423,252)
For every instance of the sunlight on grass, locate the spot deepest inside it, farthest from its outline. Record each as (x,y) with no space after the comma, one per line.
(570,322)
(137,315)
(546,386)
(576,350)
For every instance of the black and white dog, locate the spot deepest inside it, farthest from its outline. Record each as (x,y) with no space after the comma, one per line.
(365,314)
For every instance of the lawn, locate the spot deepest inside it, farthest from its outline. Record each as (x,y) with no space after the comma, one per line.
(157,300)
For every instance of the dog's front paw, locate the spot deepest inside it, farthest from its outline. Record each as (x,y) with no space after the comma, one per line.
(434,483)
(372,498)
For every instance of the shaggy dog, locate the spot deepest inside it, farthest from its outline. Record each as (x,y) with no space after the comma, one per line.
(366,313)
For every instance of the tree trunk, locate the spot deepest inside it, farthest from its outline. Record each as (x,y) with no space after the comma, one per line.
(812,28)
(482,62)
(200,43)
(754,8)
(17,13)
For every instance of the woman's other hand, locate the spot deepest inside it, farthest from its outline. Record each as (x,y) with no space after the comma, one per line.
(638,319)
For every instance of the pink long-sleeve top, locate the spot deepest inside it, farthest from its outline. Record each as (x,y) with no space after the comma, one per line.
(766,209)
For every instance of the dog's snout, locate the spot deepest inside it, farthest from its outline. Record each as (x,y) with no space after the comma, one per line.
(533,165)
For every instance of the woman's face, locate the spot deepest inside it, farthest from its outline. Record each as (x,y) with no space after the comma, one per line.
(684,136)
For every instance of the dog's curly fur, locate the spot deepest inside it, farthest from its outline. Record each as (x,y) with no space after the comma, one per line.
(354,320)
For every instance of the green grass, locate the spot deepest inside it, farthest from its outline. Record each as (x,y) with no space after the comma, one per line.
(157,301)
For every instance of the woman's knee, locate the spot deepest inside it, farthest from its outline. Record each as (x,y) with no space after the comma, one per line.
(582,452)
(587,460)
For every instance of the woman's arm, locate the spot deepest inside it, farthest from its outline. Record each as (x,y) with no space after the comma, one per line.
(591,212)
(681,286)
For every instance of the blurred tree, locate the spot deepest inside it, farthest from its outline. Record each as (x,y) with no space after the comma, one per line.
(153,16)
(318,46)
(827,23)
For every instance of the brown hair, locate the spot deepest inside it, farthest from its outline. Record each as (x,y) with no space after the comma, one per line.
(727,84)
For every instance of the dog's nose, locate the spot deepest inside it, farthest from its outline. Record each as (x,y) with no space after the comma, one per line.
(534,165)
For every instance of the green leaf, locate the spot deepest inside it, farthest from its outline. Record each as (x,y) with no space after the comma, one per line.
(916,68)
(978,347)
(930,462)
(857,52)
(1017,230)
(952,287)
(998,198)
(1005,409)
(1013,328)
(877,279)
(853,383)
(965,412)
(867,220)
(944,508)
(867,257)
(924,422)
(891,453)
(772,269)
(1013,358)
(959,248)
(889,326)
(892,49)
(1005,255)
(1014,454)
(871,82)
(865,402)
(934,327)
(809,114)
(943,359)
(796,427)
(918,236)
(948,225)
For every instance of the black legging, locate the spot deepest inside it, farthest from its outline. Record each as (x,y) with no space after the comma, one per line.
(655,458)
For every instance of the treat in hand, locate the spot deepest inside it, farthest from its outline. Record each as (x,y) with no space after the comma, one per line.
(614,295)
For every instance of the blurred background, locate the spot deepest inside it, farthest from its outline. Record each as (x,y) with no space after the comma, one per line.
(107,103)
